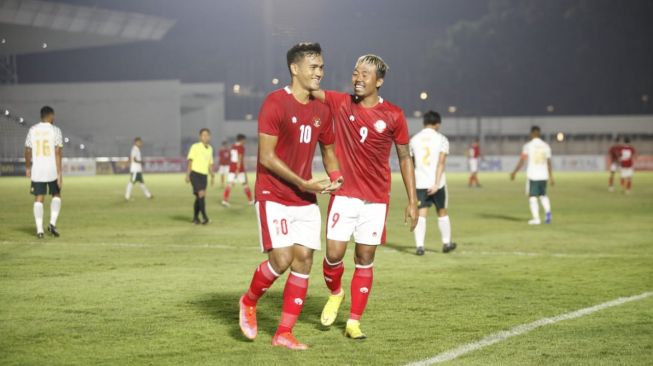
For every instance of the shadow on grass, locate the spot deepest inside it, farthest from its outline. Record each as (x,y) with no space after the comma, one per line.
(223,308)
(500,217)
(410,249)
(181,218)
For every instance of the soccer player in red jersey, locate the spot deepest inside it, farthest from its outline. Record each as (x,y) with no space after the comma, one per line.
(237,171)
(627,163)
(224,160)
(290,125)
(473,156)
(614,154)
(366,126)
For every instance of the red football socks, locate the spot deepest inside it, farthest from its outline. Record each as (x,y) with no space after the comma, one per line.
(361,285)
(263,278)
(333,275)
(294,295)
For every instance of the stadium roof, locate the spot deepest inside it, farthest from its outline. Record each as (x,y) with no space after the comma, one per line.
(31,26)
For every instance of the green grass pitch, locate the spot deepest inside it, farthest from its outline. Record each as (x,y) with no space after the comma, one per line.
(136,284)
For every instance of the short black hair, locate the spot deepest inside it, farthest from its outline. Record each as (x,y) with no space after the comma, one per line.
(301,50)
(535,129)
(240,136)
(627,140)
(46,111)
(432,118)
(137,139)
(204,129)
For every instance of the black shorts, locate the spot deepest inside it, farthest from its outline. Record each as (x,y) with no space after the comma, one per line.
(198,181)
(537,188)
(136,177)
(439,199)
(42,188)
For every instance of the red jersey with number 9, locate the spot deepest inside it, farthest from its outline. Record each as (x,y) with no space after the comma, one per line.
(298,127)
(364,138)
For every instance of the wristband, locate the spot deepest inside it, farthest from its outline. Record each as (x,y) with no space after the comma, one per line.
(335,175)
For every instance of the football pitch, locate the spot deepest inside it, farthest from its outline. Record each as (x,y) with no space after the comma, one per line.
(133,283)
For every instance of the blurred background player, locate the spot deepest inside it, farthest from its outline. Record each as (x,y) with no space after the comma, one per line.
(430,149)
(538,172)
(473,156)
(614,155)
(290,125)
(627,164)
(43,152)
(366,126)
(224,158)
(237,171)
(136,170)
(200,165)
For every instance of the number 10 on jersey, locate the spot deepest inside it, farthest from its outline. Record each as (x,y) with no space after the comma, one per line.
(305,132)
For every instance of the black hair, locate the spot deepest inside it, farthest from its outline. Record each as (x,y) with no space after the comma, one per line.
(204,129)
(137,139)
(46,111)
(432,118)
(536,129)
(627,140)
(301,50)
(240,136)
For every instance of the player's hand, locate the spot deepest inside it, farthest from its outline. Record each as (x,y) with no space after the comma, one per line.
(187,178)
(553,182)
(335,185)
(411,216)
(512,176)
(28,172)
(315,185)
(60,181)
(431,190)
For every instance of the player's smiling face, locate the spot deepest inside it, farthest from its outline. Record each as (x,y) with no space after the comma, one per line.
(309,72)
(364,80)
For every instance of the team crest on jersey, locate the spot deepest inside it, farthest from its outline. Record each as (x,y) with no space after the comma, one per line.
(317,122)
(352,118)
(380,126)
(293,119)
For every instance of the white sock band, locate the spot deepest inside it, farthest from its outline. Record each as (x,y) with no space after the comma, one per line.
(445,229)
(535,208)
(55,208)
(420,231)
(38,216)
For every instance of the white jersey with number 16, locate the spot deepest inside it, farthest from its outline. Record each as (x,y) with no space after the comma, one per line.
(43,138)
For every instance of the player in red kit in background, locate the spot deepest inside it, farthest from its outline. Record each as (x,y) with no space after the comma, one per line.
(627,164)
(473,156)
(614,154)
(237,171)
(224,157)
(290,125)
(366,126)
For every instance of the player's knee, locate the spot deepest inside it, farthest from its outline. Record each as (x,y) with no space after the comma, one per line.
(364,258)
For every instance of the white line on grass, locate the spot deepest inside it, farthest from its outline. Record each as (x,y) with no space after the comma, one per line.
(524,328)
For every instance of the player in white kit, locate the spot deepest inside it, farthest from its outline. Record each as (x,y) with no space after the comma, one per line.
(538,172)
(136,170)
(43,152)
(430,148)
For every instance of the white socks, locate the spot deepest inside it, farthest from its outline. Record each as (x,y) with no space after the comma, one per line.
(445,229)
(420,231)
(38,216)
(128,193)
(55,207)
(535,208)
(546,204)
(145,191)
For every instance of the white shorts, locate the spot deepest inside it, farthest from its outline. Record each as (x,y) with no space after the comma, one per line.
(223,170)
(365,220)
(627,172)
(473,165)
(282,226)
(237,177)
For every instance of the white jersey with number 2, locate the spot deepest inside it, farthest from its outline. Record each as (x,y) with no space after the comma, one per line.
(538,153)
(43,138)
(426,147)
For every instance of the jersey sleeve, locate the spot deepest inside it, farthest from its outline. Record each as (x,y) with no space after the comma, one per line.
(411,147)
(400,133)
(211,157)
(269,117)
(445,146)
(334,99)
(328,135)
(58,138)
(191,153)
(548,152)
(524,150)
(28,139)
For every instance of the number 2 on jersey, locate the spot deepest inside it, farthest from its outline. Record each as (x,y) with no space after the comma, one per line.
(305,132)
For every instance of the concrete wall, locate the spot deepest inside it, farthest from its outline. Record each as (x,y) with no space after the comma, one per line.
(107,115)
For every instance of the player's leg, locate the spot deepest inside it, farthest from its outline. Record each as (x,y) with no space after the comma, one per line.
(248,192)
(139,179)
(201,195)
(227,191)
(130,185)
(38,190)
(198,185)
(361,287)
(55,207)
(420,228)
(546,203)
(613,169)
(444,223)
(533,189)
(341,219)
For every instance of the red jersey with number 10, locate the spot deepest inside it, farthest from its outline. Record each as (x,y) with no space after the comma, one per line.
(298,128)
(364,138)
